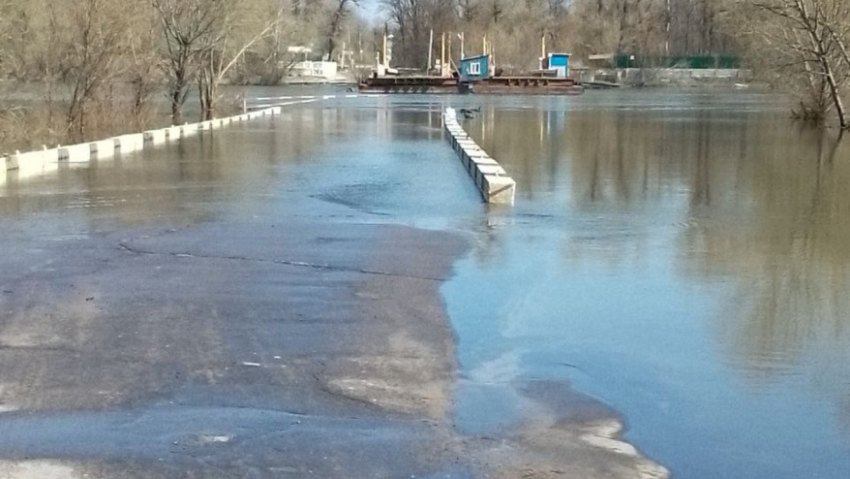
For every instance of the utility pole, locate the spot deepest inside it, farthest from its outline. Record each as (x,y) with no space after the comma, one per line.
(543,45)
(430,52)
(443,55)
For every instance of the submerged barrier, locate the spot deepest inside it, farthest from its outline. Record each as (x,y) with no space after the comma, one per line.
(25,165)
(491,179)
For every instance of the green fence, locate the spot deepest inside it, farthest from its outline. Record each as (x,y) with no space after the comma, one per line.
(695,62)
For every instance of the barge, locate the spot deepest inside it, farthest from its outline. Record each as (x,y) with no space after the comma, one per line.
(477,75)
(410,84)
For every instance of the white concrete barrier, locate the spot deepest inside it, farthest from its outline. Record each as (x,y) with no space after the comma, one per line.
(154,137)
(172,132)
(490,178)
(36,163)
(11,162)
(42,161)
(75,153)
(129,143)
(102,149)
(188,130)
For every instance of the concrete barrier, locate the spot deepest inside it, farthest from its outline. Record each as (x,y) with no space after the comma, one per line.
(172,132)
(154,137)
(188,130)
(11,162)
(490,178)
(43,161)
(129,143)
(75,153)
(35,163)
(102,149)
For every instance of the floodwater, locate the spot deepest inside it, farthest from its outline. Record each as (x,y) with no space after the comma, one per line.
(681,257)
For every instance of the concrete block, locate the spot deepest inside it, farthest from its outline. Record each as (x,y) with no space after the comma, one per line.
(35,163)
(102,149)
(154,137)
(491,170)
(489,177)
(75,153)
(172,132)
(11,162)
(499,190)
(467,146)
(472,162)
(129,143)
(188,130)
(483,160)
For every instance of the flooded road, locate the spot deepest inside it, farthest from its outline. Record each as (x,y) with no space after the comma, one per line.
(676,263)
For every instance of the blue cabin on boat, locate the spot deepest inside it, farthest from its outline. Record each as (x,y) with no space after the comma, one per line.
(474,69)
(559,62)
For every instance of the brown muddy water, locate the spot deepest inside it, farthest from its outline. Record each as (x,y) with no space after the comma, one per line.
(681,258)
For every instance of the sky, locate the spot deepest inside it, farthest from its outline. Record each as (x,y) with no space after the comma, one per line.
(370,8)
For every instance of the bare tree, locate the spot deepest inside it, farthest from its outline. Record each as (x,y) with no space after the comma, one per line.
(340,11)
(92,49)
(217,60)
(189,27)
(807,40)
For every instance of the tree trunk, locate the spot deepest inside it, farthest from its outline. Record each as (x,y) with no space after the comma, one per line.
(176,106)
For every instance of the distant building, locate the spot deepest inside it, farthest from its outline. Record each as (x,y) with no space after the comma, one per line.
(474,69)
(557,62)
(314,70)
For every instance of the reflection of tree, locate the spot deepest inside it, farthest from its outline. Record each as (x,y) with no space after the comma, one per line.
(789,255)
(759,203)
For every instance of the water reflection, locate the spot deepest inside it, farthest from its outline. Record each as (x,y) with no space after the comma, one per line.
(750,211)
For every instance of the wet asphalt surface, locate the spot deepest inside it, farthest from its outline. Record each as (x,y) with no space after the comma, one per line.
(232,307)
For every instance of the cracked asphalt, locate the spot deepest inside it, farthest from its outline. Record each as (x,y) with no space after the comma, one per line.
(306,356)
(262,303)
